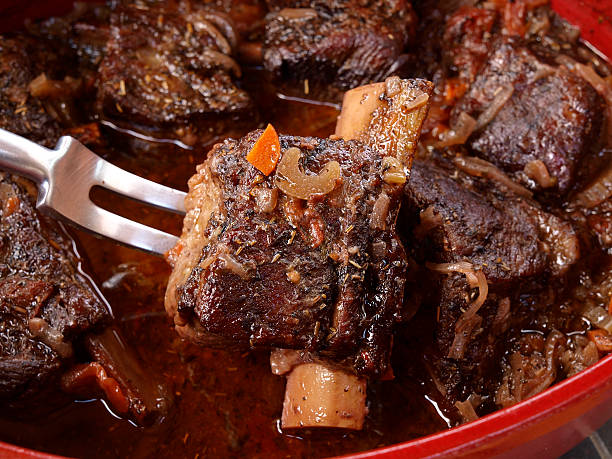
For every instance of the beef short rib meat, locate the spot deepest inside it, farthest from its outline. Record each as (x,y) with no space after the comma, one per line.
(258,267)
(464,225)
(343,43)
(541,114)
(22,59)
(45,301)
(166,68)
(473,219)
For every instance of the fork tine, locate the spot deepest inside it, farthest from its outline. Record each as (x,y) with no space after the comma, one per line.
(100,221)
(132,186)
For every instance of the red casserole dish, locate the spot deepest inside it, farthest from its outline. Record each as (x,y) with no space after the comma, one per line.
(546,425)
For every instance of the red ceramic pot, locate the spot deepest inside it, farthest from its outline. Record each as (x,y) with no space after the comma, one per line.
(544,426)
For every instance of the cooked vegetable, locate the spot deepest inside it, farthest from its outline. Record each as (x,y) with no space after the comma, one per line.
(597,192)
(265,153)
(293,182)
(599,317)
(481,168)
(469,320)
(502,96)
(537,171)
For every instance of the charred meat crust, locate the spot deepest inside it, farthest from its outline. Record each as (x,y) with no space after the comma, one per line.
(313,275)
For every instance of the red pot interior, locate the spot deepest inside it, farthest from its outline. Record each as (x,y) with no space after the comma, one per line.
(547,424)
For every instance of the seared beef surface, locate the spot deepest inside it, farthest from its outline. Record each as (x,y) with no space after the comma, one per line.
(518,247)
(21,60)
(45,301)
(467,37)
(256,267)
(474,219)
(552,115)
(343,43)
(166,67)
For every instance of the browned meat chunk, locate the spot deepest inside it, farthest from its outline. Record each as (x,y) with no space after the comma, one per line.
(468,35)
(170,69)
(491,246)
(343,43)
(21,61)
(535,121)
(50,313)
(262,265)
(45,301)
(464,218)
(84,33)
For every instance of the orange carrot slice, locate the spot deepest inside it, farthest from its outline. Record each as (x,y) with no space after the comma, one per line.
(265,153)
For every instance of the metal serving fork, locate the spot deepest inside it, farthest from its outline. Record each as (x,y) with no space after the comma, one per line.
(65,177)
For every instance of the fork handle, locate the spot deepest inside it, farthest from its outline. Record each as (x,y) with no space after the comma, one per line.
(23,157)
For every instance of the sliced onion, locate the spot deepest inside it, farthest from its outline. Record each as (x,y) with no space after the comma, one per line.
(469,320)
(459,133)
(554,338)
(463,332)
(474,278)
(233,266)
(223,61)
(503,95)
(500,322)
(203,25)
(598,83)
(597,192)
(537,171)
(43,87)
(481,168)
(225,26)
(293,182)
(599,317)
(265,199)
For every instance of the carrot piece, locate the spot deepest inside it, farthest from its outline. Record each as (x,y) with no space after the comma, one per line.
(266,152)
(602,340)
(610,306)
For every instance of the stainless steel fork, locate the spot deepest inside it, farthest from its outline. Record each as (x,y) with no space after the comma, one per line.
(65,177)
